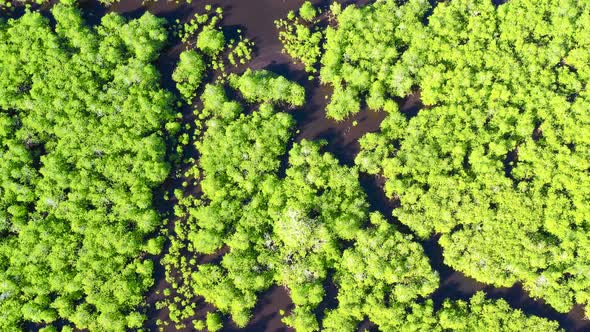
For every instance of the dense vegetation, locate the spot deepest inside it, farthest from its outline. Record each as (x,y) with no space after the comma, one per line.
(82,144)
(300,230)
(502,147)
(363,53)
(497,164)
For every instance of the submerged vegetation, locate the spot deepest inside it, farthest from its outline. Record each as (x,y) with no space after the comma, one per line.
(496,164)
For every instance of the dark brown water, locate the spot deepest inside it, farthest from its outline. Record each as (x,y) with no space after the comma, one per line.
(256,19)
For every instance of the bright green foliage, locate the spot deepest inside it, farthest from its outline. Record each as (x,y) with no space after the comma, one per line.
(235,170)
(295,230)
(16,3)
(83,126)
(278,231)
(219,112)
(290,231)
(154,245)
(82,147)
(265,86)
(199,325)
(504,147)
(189,74)
(216,104)
(238,153)
(144,37)
(236,159)
(231,168)
(300,37)
(481,314)
(214,322)
(383,264)
(343,103)
(319,205)
(284,231)
(241,52)
(307,11)
(210,41)
(208,19)
(204,32)
(363,53)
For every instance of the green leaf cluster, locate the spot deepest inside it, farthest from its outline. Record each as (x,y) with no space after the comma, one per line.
(301,36)
(364,52)
(502,147)
(210,52)
(301,228)
(263,85)
(189,73)
(82,146)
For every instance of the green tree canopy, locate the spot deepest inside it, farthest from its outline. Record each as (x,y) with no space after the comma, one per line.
(82,147)
(501,149)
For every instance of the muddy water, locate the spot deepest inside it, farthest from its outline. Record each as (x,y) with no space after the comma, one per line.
(255,18)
